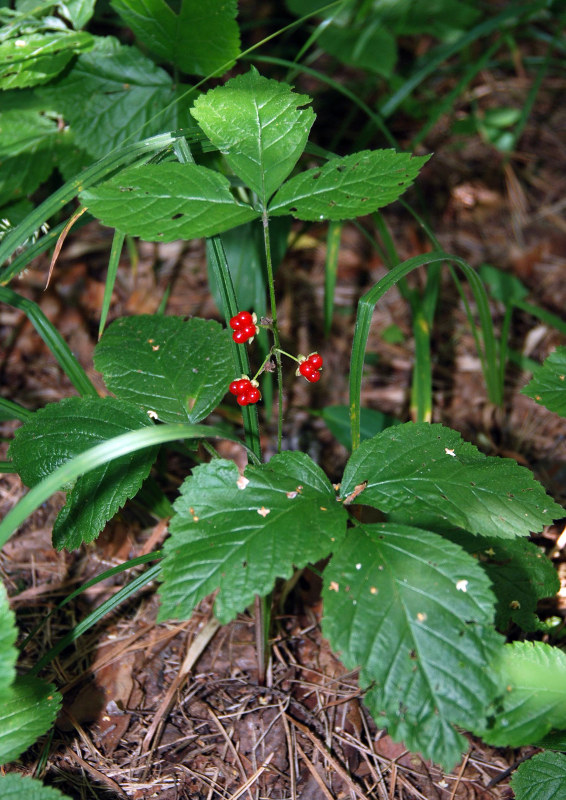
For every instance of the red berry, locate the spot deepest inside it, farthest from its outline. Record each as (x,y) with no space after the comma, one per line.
(240,337)
(242,399)
(315,360)
(253,395)
(239,386)
(306,369)
(314,377)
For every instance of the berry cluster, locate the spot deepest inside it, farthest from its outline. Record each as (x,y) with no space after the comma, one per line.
(244,327)
(310,367)
(245,390)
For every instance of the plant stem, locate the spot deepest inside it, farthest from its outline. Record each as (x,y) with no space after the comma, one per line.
(275,329)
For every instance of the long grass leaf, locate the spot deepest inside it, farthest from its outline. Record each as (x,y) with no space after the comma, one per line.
(219,265)
(331,271)
(11,410)
(101,454)
(113,261)
(95,616)
(97,172)
(365,312)
(52,339)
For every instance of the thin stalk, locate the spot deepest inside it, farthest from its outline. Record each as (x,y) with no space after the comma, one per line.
(275,329)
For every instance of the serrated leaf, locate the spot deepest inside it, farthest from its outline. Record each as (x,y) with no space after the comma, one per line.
(534,702)
(8,635)
(27,711)
(238,534)
(367,45)
(24,130)
(200,39)
(414,611)
(36,58)
(428,475)
(62,430)
(520,574)
(257,124)
(114,93)
(548,385)
(178,369)
(18,787)
(542,777)
(78,12)
(164,202)
(348,187)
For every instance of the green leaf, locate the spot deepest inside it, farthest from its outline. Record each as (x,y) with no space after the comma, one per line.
(414,612)
(78,12)
(8,635)
(348,187)
(338,420)
(24,130)
(427,475)
(548,385)
(534,702)
(520,574)
(164,202)
(238,534)
(542,777)
(17,787)
(367,45)
(201,39)
(62,430)
(28,141)
(36,58)
(27,711)
(178,369)
(115,93)
(506,288)
(256,124)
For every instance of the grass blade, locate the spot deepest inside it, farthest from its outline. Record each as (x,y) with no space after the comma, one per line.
(331,271)
(52,339)
(366,306)
(101,454)
(115,252)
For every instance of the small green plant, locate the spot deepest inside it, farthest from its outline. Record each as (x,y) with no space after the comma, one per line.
(420,600)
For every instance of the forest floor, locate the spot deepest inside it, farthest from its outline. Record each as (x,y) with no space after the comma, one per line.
(134,724)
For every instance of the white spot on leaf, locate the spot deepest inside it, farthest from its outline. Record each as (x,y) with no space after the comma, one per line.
(462,586)
(263,511)
(449,452)
(333,586)
(242,482)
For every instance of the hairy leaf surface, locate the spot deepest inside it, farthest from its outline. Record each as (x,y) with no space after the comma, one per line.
(548,385)
(415,612)
(200,39)
(18,787)
(36,58)
(259,127)
(428,475)
(238,534)
(348,187)
(542,777)
(27,711)
(534,702)
(8,635)
(178,369)
(164,202)
(113,93)
(62,430)
(520,575)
